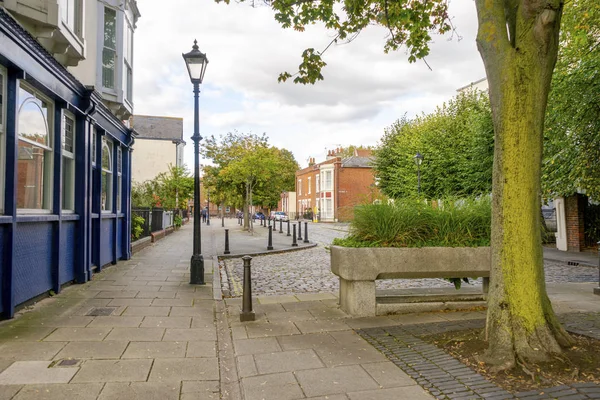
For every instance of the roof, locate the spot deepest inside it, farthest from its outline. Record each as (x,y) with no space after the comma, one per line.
(160,128)
(357,162)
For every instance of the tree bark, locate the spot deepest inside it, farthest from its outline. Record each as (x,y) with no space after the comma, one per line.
(518,41)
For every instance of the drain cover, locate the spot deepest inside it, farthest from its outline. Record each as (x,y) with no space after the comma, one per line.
(101,311)
(68,363)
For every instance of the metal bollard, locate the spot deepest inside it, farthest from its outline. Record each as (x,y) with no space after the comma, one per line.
(597,290)
(299,230)
(289,234)
(226,242)
(247,314)
(280,226)
(306,232)
(270,243)
(294,243)
(261,222)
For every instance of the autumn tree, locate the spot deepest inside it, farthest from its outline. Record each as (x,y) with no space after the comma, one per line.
(246,167)
(518,41)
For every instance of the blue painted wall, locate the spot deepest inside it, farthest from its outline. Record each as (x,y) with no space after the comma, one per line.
(32,260)
(67,253)
(2,229)
(107,242)
(119,237)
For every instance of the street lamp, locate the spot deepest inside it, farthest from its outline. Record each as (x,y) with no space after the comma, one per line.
(418,160)
(208,207)
(196,63)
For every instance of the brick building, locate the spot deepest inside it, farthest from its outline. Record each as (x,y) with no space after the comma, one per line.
(332,188)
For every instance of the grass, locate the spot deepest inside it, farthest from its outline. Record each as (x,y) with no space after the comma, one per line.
(415,223)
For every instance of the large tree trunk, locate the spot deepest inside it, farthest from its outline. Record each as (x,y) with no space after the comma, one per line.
(518,41)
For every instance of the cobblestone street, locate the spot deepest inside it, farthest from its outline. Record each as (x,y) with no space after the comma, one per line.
(308,271)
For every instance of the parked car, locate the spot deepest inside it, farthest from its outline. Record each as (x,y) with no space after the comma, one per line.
(259,215)
(281,216)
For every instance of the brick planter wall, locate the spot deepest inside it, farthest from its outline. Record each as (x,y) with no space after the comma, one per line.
(574,206)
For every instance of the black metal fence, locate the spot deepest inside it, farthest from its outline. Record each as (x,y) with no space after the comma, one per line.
(156,219)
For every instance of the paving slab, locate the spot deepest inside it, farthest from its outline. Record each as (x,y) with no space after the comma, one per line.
(201,349)
(80,391)
(141,391)
(185,369)
(33,372)
(326,381)
(155,350)
(256,346)
(23,333)
(92,350)
(338,354)
(322,326)
(388,375)
(283,361)
(263,329)
(116,322)
(166,322)
(113,371)
(188,335)
(30,351)
(8,391)
(136,334)
(414,392)
(147,311)
(78,335)
(281,386)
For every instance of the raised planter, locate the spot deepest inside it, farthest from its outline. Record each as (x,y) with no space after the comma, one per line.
(359,268)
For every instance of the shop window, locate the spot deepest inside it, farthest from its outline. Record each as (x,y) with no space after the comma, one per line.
(34,166)
(68,160)
(2,137)
(107,177)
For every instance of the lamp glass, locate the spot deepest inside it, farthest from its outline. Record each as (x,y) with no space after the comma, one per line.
(418,158)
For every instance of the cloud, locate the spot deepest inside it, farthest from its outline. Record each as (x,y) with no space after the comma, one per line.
(364,89)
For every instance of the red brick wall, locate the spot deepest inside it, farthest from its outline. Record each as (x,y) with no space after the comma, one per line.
(356,186)
(574,206)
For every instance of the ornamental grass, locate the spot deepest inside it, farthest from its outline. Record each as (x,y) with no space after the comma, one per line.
(448,222)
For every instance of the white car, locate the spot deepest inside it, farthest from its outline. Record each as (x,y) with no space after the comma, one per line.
(281,216)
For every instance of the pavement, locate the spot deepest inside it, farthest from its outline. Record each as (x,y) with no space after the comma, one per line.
(139,330)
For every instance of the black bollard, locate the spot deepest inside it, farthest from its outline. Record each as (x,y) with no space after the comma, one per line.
(294,243)
(247,314)
(280,226)
(289,234)
(299,230)
(226,242)
(269,222)
(306,232)
(261,222)
(270,243)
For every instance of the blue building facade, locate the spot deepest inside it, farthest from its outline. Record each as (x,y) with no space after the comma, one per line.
(65,174)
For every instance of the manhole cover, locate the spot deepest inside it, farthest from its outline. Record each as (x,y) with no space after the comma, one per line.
(70,362)
(101,311)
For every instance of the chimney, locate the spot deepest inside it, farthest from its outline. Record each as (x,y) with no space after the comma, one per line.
(330,155)
(311,161)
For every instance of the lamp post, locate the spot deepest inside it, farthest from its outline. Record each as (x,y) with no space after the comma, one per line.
(418,160)
(196,63)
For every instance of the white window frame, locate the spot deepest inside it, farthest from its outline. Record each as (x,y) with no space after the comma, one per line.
(48,183)
(2,136)
(107,206)
(75,26)
(102,46)
(70,156)
(309,182)
(299,187)
(317,182)
(128,33)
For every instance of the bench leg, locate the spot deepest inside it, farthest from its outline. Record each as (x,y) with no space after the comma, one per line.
(357,298)
(486,285)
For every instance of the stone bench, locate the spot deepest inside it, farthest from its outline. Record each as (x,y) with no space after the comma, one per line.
(359,268)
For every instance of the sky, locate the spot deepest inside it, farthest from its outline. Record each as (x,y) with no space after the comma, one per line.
(364,90)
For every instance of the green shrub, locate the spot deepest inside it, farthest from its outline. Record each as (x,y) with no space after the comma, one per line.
(177,221)
(414,223)
(137,226)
